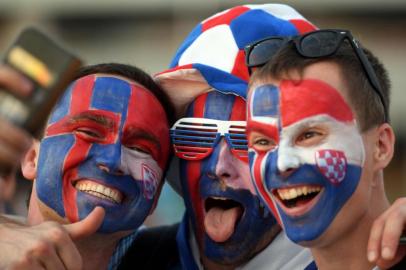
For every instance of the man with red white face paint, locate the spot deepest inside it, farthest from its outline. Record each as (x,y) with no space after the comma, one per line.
(99,149)
(225,225)
(319,140)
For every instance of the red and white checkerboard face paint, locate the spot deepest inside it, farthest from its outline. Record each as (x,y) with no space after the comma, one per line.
(106,144)
(312,164)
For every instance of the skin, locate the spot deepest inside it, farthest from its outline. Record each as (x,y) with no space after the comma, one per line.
(110,146)
(223,175)
(49,245)
(334,248)
(48,232)
(383,243)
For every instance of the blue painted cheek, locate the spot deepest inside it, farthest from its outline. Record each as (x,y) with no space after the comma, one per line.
(315,222)
(53,151)
(251,228)
(134,208)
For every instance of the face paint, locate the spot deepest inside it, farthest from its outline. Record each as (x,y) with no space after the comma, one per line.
(228,219)
(306,154)
(106,144)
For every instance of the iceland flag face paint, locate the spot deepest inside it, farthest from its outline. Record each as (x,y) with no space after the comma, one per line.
(106,144)
(306,154)
(228,219)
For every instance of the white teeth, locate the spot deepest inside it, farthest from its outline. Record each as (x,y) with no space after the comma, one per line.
(100,191)
(219,198)
(292,193)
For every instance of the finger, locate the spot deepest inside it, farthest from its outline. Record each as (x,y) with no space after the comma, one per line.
(30,265)
(374,241)
(68,253)
(15,137)
(14,81)
(9,158)
(87,226)
(385,264)
(391,234)
(52,261)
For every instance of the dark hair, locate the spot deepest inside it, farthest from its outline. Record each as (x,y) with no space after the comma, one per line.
(362,97)
(137,75)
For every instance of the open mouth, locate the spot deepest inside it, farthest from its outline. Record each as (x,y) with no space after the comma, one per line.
(99,190)
(299,199)
(221,217)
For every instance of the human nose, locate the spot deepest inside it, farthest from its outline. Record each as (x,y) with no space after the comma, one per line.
(288,160)
(224,168)
(109,159)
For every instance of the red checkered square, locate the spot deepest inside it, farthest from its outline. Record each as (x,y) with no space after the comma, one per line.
(332,164)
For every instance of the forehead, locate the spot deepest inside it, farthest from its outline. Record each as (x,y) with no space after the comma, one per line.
(103,92)
(319,90)
(290,102)
(216,105)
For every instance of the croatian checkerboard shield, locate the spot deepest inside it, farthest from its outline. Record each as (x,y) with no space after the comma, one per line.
(332,164)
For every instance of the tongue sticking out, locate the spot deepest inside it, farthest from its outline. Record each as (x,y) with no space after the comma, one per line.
(220,223)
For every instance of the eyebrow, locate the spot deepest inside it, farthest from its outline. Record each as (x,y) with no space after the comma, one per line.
(140,133)
(99,119)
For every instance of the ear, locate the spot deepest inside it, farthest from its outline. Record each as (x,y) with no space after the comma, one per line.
(29,161)
(384,146)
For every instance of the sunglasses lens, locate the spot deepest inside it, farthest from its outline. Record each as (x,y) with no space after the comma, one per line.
(262,52)
(319,44)
(193,141)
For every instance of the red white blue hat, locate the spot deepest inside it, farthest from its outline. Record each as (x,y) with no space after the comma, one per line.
(212,55)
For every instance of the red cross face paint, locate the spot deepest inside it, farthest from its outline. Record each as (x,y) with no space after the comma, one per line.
(306,153)
(106,143)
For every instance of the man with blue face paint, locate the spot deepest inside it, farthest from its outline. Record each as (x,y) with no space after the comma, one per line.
(319,140)
(225,225)
(99,149)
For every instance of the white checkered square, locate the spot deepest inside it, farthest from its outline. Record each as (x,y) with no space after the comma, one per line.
(332,164)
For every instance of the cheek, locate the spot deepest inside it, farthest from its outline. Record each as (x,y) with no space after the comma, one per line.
(145,170)
(243,171)
(190,181)
(332,164)
(190,177)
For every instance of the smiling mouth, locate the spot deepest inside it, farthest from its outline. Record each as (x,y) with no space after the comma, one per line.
(100,191)
(221,217)
(298,200)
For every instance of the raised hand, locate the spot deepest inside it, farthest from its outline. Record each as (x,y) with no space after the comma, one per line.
(13,140)
(48,245)
(383,245)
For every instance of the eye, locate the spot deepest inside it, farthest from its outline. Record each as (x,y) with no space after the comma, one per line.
(310,137)
(140,149)
(261,142)
(88,133)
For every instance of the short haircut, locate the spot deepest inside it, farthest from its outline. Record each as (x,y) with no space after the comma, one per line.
(362,97)
(137,75)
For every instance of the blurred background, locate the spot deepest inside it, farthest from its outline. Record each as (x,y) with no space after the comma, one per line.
(147,33)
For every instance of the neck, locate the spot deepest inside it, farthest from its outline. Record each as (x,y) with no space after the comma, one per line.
(348,250)
(346,253)
(97,250)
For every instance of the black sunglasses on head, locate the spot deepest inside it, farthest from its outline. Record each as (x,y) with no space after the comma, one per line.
(319,43)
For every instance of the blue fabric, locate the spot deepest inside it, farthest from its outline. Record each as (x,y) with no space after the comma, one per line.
(311,266)
(266,25)
(186,43)
(121,249)
(222,81)
(185,251)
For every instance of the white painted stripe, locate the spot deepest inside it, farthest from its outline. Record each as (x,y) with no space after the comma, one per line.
(342,136)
